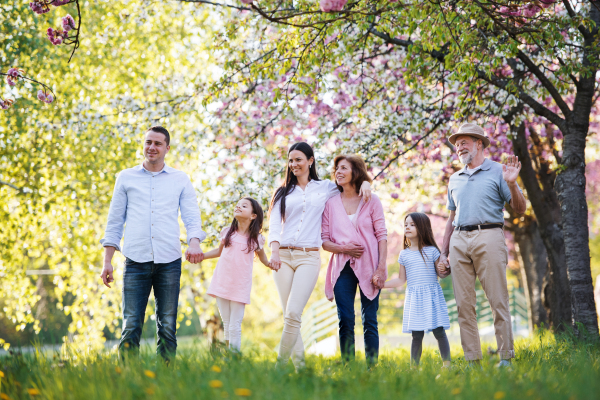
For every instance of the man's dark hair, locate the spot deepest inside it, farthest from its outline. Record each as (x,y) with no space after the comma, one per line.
(164,131)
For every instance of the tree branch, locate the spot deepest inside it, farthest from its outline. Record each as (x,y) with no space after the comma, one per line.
(18,189)
(546,82)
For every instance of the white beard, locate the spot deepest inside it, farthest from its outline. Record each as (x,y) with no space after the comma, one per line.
(468,158)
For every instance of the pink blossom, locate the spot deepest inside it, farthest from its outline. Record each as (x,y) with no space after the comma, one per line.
(246,1)
(530,10)
(38,8)
(332,5)
(68,23)
(58,3)
(56,36)
(547,3)
(13,76)
(4,104)
(46,98)
(395,195)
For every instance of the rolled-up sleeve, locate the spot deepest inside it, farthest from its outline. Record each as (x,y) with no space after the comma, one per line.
(275,224)
(325,233)
(117,214)
(378,220)
(190,213)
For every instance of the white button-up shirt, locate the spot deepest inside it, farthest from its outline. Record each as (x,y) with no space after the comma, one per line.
(148,203)
(303,213)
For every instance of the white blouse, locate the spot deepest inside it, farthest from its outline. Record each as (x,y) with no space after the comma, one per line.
(303,213)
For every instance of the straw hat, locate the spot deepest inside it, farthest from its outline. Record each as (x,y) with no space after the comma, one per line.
(469,129)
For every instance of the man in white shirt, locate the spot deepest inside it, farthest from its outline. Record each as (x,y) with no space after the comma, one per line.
(147,199)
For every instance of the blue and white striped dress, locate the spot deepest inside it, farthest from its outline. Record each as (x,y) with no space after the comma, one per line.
(424,304)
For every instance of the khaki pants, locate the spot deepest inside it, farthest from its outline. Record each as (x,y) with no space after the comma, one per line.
(482,254)
(295,282)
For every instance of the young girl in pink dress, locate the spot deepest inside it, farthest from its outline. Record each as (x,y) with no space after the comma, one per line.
(232,281)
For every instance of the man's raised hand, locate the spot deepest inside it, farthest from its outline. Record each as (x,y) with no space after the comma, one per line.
(510,169)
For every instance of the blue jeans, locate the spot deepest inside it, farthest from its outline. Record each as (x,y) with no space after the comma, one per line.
(345,292)
(138,280)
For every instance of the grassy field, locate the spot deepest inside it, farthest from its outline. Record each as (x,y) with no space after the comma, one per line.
(545,368)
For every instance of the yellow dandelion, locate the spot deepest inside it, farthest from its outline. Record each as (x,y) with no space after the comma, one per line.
(1,374)
(149,374)
(215,368)
(150,390)
(118,370)
(215,383)
(530,392)
(33,392)
(243,392)
(456,391)
(4,396)
(499,395)
(126,345)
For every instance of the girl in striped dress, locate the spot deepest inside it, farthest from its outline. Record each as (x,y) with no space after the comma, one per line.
(425,308)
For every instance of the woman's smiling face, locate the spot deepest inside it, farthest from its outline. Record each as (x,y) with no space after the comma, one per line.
(343,172)
(298,163)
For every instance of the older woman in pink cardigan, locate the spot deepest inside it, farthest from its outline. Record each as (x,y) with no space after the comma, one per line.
(354,231)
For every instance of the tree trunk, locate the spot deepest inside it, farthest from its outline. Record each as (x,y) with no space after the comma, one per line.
(543,199)
(570,183)
(534,262)
(570,187)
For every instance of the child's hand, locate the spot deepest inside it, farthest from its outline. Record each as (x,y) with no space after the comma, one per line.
(442,266)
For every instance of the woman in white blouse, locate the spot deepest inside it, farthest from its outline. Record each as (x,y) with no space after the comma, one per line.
(295,237)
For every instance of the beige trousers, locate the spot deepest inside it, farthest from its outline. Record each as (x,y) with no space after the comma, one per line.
(481,254)
(295,282)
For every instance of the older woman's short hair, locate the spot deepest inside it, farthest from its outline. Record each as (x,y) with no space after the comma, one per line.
(359,170)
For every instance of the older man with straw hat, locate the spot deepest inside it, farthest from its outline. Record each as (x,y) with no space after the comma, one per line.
(474,245)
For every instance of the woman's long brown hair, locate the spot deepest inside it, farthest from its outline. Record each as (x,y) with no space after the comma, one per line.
(424,232)
(255,227)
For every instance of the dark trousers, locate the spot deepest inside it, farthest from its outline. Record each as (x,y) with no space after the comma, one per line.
(138,280)
(345,292)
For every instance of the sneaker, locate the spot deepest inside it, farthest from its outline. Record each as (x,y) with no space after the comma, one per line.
(474,365)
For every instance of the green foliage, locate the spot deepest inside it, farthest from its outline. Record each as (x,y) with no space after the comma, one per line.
(58,162)
(545,368)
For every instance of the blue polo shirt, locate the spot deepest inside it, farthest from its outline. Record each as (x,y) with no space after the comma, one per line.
(478,198)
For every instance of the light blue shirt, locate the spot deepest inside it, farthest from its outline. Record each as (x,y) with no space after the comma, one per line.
(148,204)
(478,198)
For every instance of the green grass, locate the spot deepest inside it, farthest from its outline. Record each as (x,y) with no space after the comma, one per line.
(545,368)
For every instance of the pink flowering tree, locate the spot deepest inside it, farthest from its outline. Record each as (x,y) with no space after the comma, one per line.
(512,65)
(67,34)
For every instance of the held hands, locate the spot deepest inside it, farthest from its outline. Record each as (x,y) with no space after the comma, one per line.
(275,262)
(510,169)
(194,253)
(107,274)
(443,266)
(353,250)
(378,279)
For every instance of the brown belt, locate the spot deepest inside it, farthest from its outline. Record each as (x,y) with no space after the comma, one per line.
(299,248)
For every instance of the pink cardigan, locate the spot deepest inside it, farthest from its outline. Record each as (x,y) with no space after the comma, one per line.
(368,232)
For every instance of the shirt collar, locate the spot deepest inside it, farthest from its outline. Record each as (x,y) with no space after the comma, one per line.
(486,165)
(166,169)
